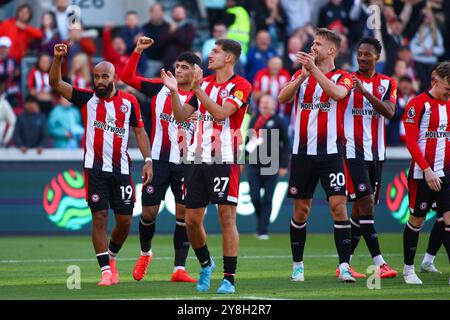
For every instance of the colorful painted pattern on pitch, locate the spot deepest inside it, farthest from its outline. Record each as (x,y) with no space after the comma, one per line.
(64,201)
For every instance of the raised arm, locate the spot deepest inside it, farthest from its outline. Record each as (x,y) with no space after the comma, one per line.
(181,113)
(55,78)
(334,91)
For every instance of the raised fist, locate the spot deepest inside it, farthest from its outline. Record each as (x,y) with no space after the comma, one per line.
(60,50)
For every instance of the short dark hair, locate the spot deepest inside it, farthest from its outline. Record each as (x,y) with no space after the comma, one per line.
(131,12)
(443,71)
(330,35)
(372,41)
(31,99)
(230,46)
(189,57)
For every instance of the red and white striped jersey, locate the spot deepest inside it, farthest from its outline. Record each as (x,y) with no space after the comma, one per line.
(169,137)
(39,81)
(264,82)
(107,124)
(319,124)
(219,141)
(80,82)
(427,125)
(364,127)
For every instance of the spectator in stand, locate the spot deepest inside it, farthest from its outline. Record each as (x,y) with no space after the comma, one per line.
(298,13)
(114,49)
(290,61)
(80,73)
(215,10)
(130,33)
(270,16)
(78,43)
(259,55)
(50,31)
(7,116)
(427,46)
(334,16)
(395,131)
(401,70)
(61,12)
(31,127)
(238,22)
(153,29)
(178,38)
(20,32)
(9,70)
(265,120)
(270,81)
(38,83)
(219,32)
(65,126)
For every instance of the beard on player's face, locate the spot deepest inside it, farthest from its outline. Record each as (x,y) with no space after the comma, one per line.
(103,91)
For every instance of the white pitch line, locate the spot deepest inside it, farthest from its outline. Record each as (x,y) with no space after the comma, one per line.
(312,256)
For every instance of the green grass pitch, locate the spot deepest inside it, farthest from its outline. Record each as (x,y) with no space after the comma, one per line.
(36,268)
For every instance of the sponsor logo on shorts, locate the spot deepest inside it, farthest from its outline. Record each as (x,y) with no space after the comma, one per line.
(150,189)
(95,197)
(220,194)
(293,190)
(423,206)
(362,187)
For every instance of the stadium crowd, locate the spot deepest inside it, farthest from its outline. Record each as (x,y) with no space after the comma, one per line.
(414,34)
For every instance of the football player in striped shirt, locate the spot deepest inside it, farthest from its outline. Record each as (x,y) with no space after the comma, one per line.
(108,114)
(212,171)
(169,139)
(427,125)
(321,93)
(373,99)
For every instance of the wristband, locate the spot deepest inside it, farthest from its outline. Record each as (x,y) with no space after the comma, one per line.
(148,159)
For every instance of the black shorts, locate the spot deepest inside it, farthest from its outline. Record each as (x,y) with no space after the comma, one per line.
(363,178)
(306,171)
(422,198)
(165,173)
(211,183)
(115,189)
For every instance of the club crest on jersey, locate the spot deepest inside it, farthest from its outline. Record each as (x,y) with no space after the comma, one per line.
(223,93)
(347,82)
(150,189)
(411,112)
(381,89)
(124,108)
(95,197)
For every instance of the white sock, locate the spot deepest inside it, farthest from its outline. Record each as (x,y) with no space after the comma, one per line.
(350,261)
(378,260)
(407,268)
(298,264)
(146,253)
(343,265)
(178,268)
(429,259)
